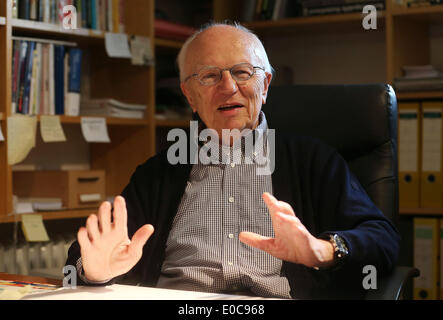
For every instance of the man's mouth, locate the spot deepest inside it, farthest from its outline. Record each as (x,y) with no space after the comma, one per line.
(230,107)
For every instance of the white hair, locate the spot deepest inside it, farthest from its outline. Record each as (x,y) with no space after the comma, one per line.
(184,49)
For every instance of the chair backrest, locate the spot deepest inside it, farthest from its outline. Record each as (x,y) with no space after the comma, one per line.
(360,121)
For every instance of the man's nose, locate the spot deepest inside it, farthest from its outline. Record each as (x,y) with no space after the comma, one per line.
(227,84)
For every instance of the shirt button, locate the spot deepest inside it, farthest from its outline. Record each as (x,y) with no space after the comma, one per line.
(230,263)
(230,236)
(255,153)
(231,199)
(232,165)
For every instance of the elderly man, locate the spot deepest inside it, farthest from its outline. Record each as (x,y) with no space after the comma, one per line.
(305,230)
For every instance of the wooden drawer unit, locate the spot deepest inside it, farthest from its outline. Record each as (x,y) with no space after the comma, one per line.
(77,189)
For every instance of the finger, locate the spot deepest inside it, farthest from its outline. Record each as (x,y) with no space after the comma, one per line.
(139,240)
(83,240)
(104,217)
(92,227)
(274,205)
(257,241)
(120,213)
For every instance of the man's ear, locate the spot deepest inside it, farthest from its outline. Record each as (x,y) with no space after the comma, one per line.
(266,83)
(188,96)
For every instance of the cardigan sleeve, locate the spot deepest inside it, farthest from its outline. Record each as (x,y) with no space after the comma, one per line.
(347,210)
(331,200)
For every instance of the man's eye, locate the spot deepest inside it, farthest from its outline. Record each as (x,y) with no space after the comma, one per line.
(242,73)
(209,76)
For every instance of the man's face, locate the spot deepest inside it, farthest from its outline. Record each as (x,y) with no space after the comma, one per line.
(227,104)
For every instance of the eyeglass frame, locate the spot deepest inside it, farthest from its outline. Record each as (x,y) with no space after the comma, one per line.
(221,73)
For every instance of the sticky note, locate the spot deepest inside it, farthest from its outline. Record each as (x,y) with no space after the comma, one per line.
(21,137)
(51,129)
(141,50)
(34,228)
(116,45)
(95,129)
(2,138)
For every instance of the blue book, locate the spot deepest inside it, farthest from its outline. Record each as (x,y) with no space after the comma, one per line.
(72,101)
(84,13)
(24,7)
(93,16)
(21,76)
(59,78)
(28,77)
(75,70)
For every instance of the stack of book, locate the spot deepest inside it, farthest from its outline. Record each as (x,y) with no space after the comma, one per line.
(251,10)
(420,78)
(112,108)
(417,3)
(321,7)
(45,78)
(104,15)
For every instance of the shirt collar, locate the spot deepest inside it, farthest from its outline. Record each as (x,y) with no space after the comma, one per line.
(238,153)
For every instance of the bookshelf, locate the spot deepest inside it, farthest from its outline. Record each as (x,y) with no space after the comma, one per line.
(404,31)
(346,22)
(115,78)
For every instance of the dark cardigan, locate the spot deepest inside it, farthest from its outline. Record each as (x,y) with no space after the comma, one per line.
(309,175)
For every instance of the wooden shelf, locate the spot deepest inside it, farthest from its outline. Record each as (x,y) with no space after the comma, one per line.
(53,215)
(42,29)
(343,22)
(421,211)
(177,123)
(109,121)
(433,13)
(419,95)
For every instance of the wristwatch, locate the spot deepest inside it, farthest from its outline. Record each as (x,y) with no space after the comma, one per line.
(340,249)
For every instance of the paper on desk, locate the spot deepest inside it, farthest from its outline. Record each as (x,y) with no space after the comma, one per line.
(21,137)
(33,228)
(116,45)
(95,129)
(14,293)
(141,51)
(51,129)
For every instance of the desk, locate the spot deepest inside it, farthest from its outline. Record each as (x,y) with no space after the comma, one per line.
(124,292)
(117,292)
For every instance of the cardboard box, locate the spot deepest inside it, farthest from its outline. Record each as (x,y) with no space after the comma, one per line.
(77,189)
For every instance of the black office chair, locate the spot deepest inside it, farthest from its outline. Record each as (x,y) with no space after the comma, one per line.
(360,121)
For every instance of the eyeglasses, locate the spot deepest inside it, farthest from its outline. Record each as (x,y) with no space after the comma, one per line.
(209,76)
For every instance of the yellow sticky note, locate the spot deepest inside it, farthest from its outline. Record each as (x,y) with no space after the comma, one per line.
(51,129)
(21,137)
(33,228)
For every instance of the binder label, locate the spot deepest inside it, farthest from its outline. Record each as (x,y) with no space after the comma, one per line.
(431,140)
(408,142)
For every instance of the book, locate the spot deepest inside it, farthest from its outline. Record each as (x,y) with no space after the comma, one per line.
(27,78)
(104,15)
(72,107)
(21,71)
(59,75)
(15,74)
(112,108)
(420,84)
(423,71)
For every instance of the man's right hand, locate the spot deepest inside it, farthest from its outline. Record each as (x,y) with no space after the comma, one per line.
(106,249)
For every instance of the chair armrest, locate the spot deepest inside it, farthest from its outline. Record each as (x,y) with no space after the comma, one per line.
(391,286)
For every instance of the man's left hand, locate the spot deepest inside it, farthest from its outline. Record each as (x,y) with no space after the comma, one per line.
(292,242)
